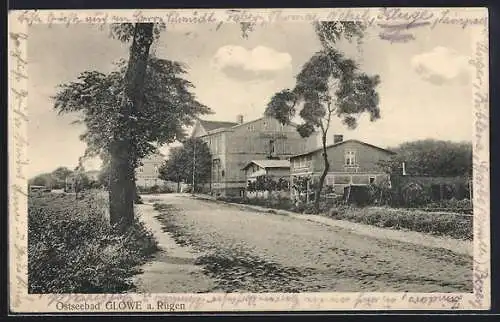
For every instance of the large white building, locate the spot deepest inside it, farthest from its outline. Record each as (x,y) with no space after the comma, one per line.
(234,145)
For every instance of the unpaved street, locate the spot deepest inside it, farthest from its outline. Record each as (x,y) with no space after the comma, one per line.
(249,251)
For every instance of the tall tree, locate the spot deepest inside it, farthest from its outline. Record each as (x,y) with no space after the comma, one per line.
(45,179)
(59,176)
(175,168)
(179,165)
(328,85)
(123,149)
(128,111)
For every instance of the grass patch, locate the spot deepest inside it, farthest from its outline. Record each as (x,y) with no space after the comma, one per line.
(72,248)
(442,223)
(454,225)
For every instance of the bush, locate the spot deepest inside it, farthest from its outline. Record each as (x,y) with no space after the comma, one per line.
(232,199)
(453,205)
(438,223)
(73,249)
(155,189)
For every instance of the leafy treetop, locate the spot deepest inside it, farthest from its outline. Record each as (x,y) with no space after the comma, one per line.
(168,107)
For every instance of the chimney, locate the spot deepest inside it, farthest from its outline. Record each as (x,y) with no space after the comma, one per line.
(404,169)
(239,119)
(337,138)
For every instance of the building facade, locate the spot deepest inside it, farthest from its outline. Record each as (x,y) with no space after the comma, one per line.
(146,175)
(352,162)
(234,145)
(275,169)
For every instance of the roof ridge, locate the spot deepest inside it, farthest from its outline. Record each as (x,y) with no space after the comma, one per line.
(339,143)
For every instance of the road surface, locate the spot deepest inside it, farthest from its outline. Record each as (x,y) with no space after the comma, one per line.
(248,251)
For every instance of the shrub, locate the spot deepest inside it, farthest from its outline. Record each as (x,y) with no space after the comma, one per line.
(453,205)
(155,189)
(73,249)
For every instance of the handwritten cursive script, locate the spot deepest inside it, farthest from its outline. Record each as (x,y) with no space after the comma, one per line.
(18,102)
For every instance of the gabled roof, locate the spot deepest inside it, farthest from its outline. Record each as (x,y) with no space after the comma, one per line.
(340,143)
(214,125)
(260,118)
(266,164)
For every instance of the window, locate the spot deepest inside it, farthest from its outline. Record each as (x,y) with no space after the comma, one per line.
(350,158)
(308,161)
(329,180)
(271,146)
(372,180)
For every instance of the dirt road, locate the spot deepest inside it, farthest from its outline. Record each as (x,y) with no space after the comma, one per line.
(247,251)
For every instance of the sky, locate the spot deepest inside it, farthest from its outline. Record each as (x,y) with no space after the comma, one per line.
(425,89)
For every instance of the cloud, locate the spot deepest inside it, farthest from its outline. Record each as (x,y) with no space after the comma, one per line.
(442,66)
(244,64)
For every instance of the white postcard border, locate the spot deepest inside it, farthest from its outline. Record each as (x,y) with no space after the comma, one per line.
(21,301)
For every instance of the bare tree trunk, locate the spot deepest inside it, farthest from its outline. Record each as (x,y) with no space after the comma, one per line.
(123,152)
(323,175)
(121,198)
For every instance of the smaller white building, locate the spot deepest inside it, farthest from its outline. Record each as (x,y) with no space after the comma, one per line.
(273,168)
(147,174)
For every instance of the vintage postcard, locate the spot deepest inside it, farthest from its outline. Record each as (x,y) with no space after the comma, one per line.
(249,160)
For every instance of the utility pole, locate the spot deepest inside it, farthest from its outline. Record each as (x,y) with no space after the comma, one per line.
(211,172)
(194,165)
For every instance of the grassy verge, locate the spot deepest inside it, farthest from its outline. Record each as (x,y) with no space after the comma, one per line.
(73,249)
(454,225)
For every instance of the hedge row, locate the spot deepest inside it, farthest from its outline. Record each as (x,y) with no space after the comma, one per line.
(455,225)
(73,249)
(437,223)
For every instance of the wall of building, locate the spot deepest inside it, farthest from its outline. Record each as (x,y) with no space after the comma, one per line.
(273,172)
(252,141)
(339,176)
(254,138)
(279,172)
(367,157)
(301,165)
(236,147)
(147,174)
(217,145)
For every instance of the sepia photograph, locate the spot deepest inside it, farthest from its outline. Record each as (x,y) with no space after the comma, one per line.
(261,152)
